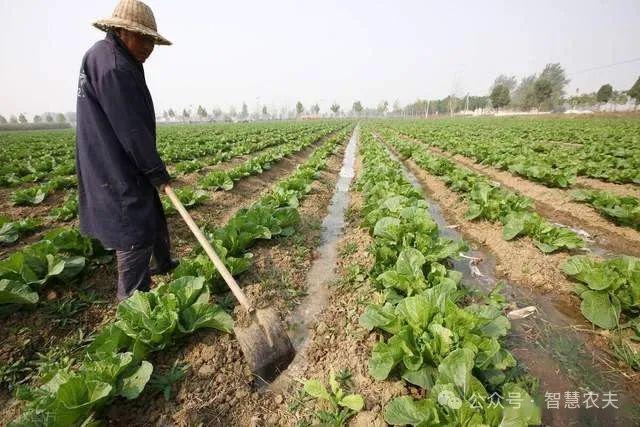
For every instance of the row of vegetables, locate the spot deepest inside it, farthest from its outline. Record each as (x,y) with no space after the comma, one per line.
(115,364)
(433,337)
(43,156)
(489,201)
(217,179)
(609,289)
(530,148)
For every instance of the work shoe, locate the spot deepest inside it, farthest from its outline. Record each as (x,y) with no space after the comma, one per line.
(170,266)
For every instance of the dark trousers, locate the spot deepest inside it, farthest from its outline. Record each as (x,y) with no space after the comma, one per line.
(133,265)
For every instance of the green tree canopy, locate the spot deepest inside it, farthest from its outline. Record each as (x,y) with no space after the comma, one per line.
(604,93)
(299,108)
(357,107)
(172,113)
(13,119)
(245,111)
(523,96)
(557,78)
(543,90)
(37,119)
(22,119)
(264,110)
(315,109)
(201,111)
(503,80)
(500,96)
(634,92)
(383,106)
(3,121)
(185,113)
(60,118)
(49,118)
(335,108)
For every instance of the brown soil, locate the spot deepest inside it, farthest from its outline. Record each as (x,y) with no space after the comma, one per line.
(557,205)
(619,189)
(218,389)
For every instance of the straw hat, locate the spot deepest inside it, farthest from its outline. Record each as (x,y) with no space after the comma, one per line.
(133,15)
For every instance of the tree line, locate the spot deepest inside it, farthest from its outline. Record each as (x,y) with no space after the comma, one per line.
(545,91)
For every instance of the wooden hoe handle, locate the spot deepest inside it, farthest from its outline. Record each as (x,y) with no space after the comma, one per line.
(228,278)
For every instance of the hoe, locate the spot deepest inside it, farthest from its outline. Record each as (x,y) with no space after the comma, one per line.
(264,343)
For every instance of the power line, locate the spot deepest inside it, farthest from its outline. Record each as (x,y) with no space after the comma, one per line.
(605,66)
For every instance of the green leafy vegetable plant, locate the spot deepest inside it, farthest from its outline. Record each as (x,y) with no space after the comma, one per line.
(342,406)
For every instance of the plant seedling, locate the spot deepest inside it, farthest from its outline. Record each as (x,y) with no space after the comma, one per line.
(343,406)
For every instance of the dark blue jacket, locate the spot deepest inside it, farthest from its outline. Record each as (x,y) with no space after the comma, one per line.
(117,162)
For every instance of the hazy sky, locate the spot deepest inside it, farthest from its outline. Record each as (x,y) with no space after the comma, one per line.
(278,52)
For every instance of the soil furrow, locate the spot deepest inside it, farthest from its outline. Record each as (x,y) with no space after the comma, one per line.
(557,205)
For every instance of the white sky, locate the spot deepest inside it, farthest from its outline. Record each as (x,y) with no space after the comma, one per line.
(277,52)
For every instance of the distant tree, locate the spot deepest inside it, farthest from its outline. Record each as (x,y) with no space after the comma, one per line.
(232,111)
(165,115)
(634,92)
(476,102)
(299,108)
(185,113)
(523,96)
(22,119)
(604,93)
(37,119)
(397,108)
(202,112)
(265,112)
(503,80)
(335,108)
(315,109)
(3,121)
(543,90)
(172,113)
(557,78)
(382,107)
(13,119)
(500,96)
(49,118)
(60,118)
(357,107)
(245,111)
(582,100)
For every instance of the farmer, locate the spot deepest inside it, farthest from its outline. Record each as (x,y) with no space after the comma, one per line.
(119,170)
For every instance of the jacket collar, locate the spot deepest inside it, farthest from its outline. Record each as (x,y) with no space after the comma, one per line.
(113,37)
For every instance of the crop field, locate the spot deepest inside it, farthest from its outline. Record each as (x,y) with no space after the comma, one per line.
(447,272)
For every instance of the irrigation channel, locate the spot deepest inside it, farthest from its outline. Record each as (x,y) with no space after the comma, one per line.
(547,342)
(322,271)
